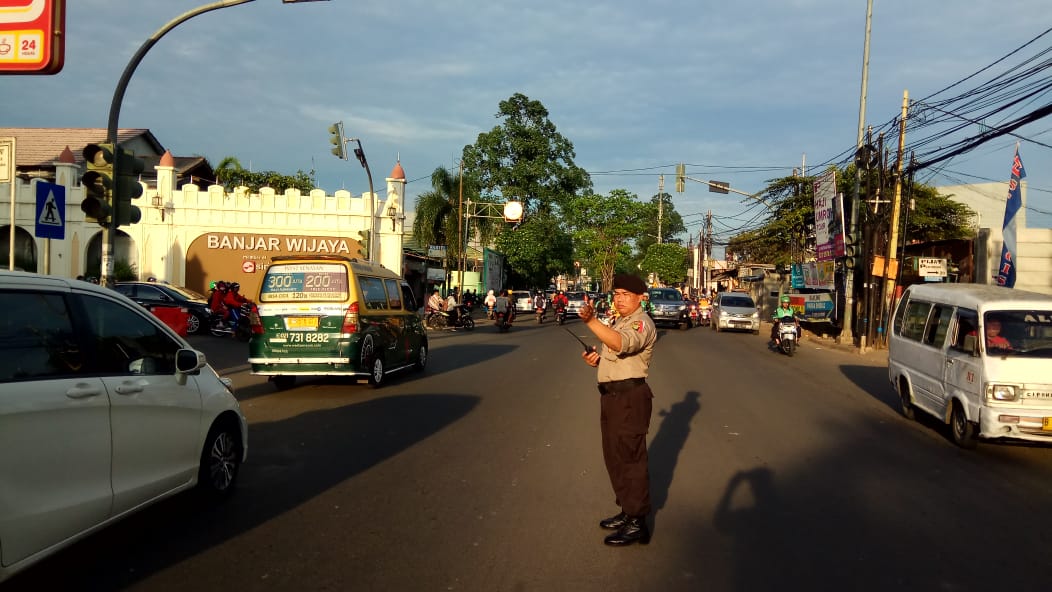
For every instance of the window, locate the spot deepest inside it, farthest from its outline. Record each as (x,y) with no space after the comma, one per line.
(967,321)
(36,338)
(914,319)
(408,298)
(125,342)
(373,293)
(394,294)
(151,294)
(939,325)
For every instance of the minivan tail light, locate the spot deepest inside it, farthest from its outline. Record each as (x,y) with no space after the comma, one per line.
(254,322)
(350,320)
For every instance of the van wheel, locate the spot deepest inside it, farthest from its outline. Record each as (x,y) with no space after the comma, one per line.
(963,431)
(376,372)
(421,358)
(284,383)
(908,410)
(372,360)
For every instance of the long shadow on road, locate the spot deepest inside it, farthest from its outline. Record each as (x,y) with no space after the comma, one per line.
(290,462)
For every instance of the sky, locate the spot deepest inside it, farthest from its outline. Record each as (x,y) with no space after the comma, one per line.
(741,92)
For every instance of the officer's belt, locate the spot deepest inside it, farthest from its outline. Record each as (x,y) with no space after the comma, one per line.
(620,386)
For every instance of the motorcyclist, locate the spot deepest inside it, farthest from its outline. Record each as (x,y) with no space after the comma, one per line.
(502,306)
(215,300)
(233,298)
(783,310)
(540,303)
(560,301)
(491,298)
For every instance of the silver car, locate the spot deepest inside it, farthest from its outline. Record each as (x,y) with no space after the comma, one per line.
(735,311)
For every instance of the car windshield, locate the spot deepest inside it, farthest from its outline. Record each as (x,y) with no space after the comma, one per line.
(575,295)
(666,295)
(737,302)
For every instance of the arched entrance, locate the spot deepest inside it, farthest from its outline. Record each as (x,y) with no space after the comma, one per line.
(125,257)
(25,249)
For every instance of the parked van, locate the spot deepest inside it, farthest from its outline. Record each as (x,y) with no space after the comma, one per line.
(331,315)
(976,357)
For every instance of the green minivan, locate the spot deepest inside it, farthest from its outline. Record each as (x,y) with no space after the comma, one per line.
(323,315)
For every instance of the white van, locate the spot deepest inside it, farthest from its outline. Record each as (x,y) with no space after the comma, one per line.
(977,357)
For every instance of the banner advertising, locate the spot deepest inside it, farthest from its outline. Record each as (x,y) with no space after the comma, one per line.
(1006,270)
(829,218)
(815,275)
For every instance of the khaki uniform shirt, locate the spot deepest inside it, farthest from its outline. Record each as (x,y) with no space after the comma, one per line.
(637,347)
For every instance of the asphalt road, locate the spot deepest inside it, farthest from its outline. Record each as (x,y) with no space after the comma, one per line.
(485,473)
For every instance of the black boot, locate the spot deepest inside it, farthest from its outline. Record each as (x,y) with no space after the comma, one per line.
(613,522)
(634,531)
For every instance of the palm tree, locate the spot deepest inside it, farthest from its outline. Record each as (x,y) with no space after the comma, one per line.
(228,170)
(438,210)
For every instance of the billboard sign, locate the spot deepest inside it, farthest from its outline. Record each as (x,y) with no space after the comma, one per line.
(32,36)
(829,218)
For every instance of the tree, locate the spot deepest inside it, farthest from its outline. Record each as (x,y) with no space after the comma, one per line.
(230,174)
(538,250)
(668,261)
(439,210)
(603,228)
(525,159)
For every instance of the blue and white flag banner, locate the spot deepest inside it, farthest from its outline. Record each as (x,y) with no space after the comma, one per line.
(1006,270)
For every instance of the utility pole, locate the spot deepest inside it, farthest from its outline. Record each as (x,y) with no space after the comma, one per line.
(896,206)
(852,228)
(706,250)
(461,239)
(661,204)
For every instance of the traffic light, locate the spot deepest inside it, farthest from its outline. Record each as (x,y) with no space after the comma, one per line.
(98,183)
(336,138)
(681,177)
(128,187)
(360,154)
(363,242)
(851,251)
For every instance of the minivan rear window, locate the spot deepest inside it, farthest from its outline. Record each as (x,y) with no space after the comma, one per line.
(318,282)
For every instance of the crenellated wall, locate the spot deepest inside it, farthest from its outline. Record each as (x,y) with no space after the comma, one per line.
(173,219)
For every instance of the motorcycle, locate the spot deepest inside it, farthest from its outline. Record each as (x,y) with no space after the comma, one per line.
(540,315)
(239,325)
(560,314)
(704,316)
(787,335)
(502,320)
(442,319)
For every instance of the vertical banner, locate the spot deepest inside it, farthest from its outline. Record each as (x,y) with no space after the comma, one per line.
(1006,270)
(829,218)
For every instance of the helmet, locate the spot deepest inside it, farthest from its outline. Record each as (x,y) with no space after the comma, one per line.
(221,286)
(212,285)
(784,299)
(236,286)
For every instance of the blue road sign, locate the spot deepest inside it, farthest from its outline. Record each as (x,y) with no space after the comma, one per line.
(51,208)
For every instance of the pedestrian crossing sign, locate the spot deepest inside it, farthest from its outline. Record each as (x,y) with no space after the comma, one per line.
(51,211)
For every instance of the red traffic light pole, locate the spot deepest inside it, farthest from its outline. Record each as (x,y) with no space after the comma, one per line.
(109,232)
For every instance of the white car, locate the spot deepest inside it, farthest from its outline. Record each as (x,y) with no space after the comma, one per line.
(104,410)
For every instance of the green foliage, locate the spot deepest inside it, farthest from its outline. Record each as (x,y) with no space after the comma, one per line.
(604,228)
(123,271)
(787,234)
(439,211)
(230,174)
(525,159)
(671,223)
(536,251)
(668,261)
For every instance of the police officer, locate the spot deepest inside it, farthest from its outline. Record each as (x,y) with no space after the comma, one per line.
(625,405)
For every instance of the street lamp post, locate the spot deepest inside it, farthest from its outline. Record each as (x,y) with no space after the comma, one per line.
(109,231)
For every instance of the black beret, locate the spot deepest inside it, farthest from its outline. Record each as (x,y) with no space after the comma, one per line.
(632,283)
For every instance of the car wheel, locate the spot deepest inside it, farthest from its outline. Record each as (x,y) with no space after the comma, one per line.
(220,460)
(376,372)
(421,358)
(284,383)
(195,325)
(963,431)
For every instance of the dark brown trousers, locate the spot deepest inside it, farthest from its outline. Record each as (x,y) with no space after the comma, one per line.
(624,419)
